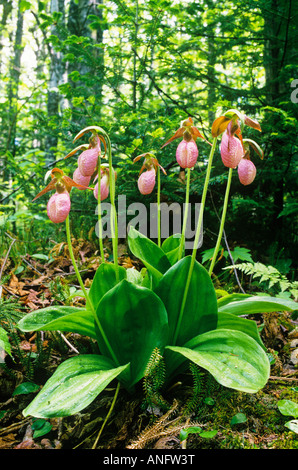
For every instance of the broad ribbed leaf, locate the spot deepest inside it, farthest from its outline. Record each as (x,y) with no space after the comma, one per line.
(73,386)
(135,322)
(256,304)
(232,322)
(149,253)
(57,317)
(200,312)
(171,247)
(234,359)
(104,280)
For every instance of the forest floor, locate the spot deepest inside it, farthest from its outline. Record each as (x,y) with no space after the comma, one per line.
(242,421)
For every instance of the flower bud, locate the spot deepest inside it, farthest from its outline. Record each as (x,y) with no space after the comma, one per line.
(231,150)
(58,207)
(187,153)
(246,171)
(104,187)
(87,161)
(146,182)
(81,179)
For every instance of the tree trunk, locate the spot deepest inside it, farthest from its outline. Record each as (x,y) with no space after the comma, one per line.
(280,39)
(55,79)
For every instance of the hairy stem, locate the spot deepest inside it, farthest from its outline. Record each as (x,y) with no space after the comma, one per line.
(108,415)
(158,207)
(185,215)
(88,302)
(114,225)
(197,236)
(99,214)
(222,222)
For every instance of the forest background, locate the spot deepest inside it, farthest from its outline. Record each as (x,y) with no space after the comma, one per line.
(137,69)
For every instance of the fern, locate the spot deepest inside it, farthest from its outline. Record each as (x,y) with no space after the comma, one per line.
(204,385)
(268,274)
(154,378)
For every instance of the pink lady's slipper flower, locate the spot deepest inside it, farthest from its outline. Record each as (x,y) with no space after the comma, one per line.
(81,179)
(187,151)
(58,206)
(104,185)
(231,148)
(146,181)
(88,159)
(246,171)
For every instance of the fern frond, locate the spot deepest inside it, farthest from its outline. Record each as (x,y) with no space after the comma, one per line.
(153,381)
(268,274)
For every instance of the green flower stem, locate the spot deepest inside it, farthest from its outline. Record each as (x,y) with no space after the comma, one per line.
(185,215)
(108,415)
(222,222)
(88,302)
(99,214)
(158,207)
(198,231)
(114,224)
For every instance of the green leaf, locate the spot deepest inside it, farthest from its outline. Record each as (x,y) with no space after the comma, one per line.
(256,304)
(73,386)
(103,281)
(40,256)
(241,253)
(171,247)
(292,425)
(24,5)
(232,322)
(4,341)
(233,358)
(40,427)
(149,253)
(134,276)
(239,418)
(191,430)
(196,430)
(200,313)
(75,319)
(25,388)
(288,408)
(135,322)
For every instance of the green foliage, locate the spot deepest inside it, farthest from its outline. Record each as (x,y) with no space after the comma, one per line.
(289,408)
(134,325)
(269,277)
(154,379)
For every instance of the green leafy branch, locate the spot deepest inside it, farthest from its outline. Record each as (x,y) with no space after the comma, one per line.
(268,274)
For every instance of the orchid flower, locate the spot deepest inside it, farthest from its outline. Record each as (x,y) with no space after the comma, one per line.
(58,206)
(231,148)
(246,168)
(187,151)
(146,181)
(88,159)
(104,184)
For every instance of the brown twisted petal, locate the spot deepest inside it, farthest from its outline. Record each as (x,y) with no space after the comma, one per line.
(252,123)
